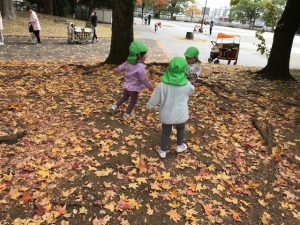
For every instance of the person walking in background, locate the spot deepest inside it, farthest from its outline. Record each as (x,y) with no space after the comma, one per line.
(35,23)
(211,25)
(149,19)
(1,28)
(94,20)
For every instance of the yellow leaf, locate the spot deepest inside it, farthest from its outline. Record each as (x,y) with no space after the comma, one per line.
(141,180)
(174,205)
(67,193)
(232,200)
(133,185)
(166,175)
(262,202)
(174,215)
(265,218)
(43,173)
(14,193)
(149,210)
(220,187)
(110,206)
(83,210)
(103,173)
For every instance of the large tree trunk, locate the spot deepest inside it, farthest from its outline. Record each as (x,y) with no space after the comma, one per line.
(122,31)
(8,9)
(278,64)
(48,7)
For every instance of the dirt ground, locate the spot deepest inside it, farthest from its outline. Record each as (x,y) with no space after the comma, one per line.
(79,164)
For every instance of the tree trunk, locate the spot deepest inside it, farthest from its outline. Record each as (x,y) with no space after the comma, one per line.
(277,67)
(122,31)
(8,9)
(48,7)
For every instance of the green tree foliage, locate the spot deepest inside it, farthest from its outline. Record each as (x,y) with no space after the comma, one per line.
(246,11)
(176,6)
(273,11)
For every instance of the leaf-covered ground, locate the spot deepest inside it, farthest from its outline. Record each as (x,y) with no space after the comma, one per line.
(79,164)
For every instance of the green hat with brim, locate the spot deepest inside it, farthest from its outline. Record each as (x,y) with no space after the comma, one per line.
(135,48)
(192,52)
(176,72)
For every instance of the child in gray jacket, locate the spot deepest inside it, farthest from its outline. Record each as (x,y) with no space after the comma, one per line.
(173,94)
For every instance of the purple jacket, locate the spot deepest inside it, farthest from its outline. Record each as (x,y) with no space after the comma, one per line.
(135,76)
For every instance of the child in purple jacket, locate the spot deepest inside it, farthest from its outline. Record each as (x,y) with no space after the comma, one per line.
(135,79)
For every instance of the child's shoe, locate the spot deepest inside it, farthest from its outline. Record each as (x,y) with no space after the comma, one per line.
(128,117)
(113,108)
(181,148)
(161,153)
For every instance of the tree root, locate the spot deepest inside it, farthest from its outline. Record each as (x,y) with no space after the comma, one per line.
(267,135)
(12,138)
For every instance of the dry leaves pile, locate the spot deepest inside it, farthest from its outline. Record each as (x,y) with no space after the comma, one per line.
(77,163)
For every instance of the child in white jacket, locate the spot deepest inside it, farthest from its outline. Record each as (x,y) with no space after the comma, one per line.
(173,94)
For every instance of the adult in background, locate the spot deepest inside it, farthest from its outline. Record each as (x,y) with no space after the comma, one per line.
(211,25)
(1,29)
(149,19)
(35,23)
(94,20)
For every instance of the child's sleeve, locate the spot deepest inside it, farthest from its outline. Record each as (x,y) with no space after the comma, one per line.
(199,70)
(143,79)
(191,89)
(155,98)
(121,68)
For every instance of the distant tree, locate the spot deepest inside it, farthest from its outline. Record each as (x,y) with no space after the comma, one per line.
(192,11)
(273,11)
(8,9)
(176,6)
(47,6)
(61,7)
(246,11)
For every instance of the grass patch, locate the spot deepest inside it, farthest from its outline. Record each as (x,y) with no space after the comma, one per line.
(52,26)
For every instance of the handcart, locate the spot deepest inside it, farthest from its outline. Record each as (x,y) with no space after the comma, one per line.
(226,47)
(79,35)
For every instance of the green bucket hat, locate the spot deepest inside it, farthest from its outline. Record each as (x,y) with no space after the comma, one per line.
(176,72)
(135,48)
(192,52)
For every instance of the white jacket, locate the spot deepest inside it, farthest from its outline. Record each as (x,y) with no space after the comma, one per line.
(173,102)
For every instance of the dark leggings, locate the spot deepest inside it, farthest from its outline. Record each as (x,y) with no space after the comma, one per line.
(37,35)
(166,132)
(133,99)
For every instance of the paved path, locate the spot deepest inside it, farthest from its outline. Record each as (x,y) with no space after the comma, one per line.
(58,50)
(171,38)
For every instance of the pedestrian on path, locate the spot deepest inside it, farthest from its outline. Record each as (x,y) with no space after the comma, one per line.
(211,25)
(135,79)
(145,19)
(149,19)
(94,20)
(1,28)
(172,93)
(35,23)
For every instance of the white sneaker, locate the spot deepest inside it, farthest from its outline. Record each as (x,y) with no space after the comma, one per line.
(161,153)
(128,117)
(181,148)
(1,43)
(113,107)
